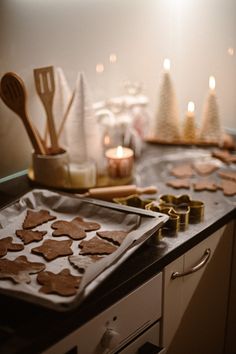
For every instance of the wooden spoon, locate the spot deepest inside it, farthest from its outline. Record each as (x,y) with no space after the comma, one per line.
(13,93)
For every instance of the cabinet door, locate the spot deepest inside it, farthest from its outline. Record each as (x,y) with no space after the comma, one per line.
(195,305)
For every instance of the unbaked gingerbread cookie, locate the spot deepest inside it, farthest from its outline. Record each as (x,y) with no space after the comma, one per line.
(96,246)
(81,262)
(52,249)
(116,237)
(182,171)
(7,244)
(28,236)
(179,183)
(228,187)
(36,218)
(205,168)
(62,283)
(19,269)
(205,185)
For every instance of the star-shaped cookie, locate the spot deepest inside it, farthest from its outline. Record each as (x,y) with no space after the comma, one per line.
(52,249)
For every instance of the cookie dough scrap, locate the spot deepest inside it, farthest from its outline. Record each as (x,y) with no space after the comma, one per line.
(116,237)
(179,183)
(96,246)
(181,171)
(52,249)
(36,218)
(62,283)
(231,175)
(68,228)
(204,168)
(228,187)
(7,244)
(19,270)
(83,262)
(28,236)
(205,185)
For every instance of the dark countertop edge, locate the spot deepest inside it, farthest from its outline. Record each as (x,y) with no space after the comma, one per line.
(107,295)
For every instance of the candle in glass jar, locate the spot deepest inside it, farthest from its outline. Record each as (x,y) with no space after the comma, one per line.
(120,162)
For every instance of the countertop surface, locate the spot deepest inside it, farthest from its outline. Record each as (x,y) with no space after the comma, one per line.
(24,327)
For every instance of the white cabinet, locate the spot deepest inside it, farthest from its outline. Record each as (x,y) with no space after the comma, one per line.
(195,305)
(129,323)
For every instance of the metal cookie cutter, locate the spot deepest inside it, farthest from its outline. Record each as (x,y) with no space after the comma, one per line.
(190,211)
(133,200)
(172,226)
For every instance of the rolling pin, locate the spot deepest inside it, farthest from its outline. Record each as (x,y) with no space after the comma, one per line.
(108,193)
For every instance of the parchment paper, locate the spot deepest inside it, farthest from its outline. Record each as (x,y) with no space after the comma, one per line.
(140,224)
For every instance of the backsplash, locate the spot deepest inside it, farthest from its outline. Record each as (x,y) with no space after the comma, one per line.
(113,42)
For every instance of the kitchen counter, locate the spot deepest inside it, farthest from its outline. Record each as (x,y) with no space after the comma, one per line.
(27,328)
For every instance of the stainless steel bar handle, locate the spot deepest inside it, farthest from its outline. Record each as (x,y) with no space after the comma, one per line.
(201,264)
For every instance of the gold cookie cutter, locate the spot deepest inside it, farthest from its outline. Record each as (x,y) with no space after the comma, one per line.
(181,210)
(181,204)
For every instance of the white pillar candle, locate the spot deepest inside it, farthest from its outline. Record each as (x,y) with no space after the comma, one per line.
(119,162)
(189,124)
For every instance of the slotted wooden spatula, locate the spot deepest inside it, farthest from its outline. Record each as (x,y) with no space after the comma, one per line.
(45,87)
(13,94)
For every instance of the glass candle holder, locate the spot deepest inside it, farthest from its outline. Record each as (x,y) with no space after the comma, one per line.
(120,162)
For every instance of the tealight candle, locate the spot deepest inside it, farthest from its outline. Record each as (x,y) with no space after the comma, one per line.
(189,124)
(119,162)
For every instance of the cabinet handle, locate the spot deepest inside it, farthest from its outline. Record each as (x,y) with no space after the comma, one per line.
(201,264)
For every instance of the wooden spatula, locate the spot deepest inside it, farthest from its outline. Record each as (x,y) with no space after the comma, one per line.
(45,87)
(13,93)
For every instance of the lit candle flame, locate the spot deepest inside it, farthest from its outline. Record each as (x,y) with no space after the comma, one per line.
(113,58)
(212,82)
(166,64)
(119,151)
(107,140)
(191,107)
(99,68)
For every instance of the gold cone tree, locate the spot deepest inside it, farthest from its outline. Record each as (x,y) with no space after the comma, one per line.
(166,121)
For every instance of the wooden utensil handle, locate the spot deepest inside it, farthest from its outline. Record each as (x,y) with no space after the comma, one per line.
(34,138)
(52,129)
(108,193)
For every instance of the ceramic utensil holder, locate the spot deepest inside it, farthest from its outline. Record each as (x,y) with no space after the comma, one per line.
(51,170)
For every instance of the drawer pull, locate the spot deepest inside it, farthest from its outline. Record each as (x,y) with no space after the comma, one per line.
(201,264)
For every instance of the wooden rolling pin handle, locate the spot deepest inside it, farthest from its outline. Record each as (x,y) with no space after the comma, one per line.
(147,190)
(108,193)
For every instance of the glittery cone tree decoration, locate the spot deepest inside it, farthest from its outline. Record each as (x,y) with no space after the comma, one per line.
(211,128)
(166,125)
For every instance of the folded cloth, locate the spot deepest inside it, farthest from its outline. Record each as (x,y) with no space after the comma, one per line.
(84,140)
(61,101)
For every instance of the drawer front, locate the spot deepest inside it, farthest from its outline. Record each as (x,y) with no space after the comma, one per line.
(149,337)
(117,325)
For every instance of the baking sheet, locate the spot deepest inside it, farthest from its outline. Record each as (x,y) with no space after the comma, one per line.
(140,225)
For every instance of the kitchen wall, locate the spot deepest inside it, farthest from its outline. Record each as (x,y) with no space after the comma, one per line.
(199,37)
